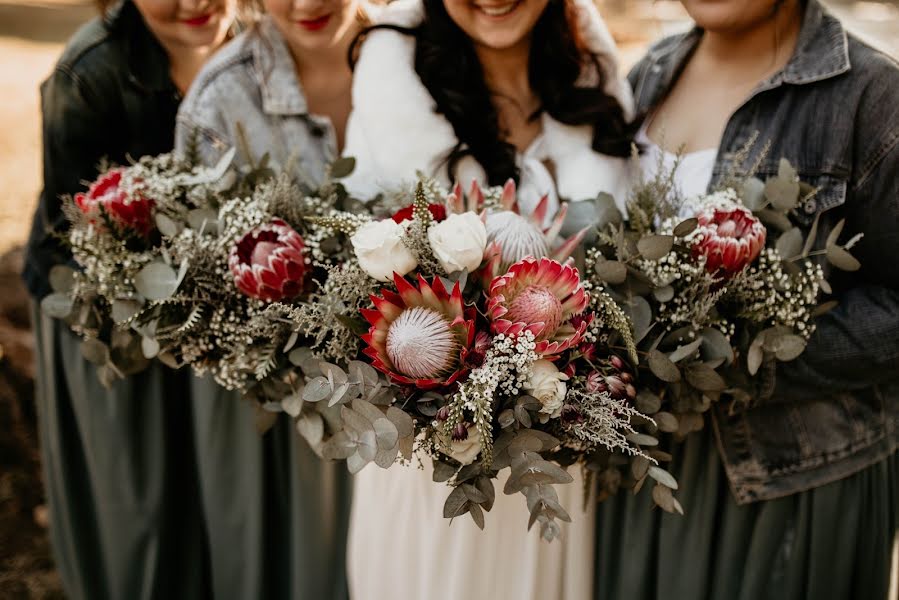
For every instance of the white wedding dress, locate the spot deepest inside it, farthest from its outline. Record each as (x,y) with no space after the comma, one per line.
(400,547)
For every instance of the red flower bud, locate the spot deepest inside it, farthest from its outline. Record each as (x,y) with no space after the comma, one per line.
(105,196)
(438,211)
(268,262)
(460,432)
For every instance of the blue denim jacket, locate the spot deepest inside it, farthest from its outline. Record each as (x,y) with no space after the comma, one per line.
(832,111)
(251,85)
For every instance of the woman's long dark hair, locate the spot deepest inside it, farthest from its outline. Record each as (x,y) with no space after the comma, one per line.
(448,66)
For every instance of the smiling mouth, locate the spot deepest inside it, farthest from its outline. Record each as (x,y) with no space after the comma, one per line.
(198,21)
(498,10)
(315,24)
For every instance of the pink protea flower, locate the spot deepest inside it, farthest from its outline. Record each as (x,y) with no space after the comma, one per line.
(729,239)
(268,263)
(420,336)
(107,196)
(540,296)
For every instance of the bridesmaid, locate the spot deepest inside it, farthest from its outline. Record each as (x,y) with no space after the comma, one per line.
(797,496)
(276,514)
(523,89)
(124,514)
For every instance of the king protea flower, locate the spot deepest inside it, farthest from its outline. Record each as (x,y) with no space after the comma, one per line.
(729,239)
(268,262)
(421,335)
(512,237)
(106,196)
(540,296)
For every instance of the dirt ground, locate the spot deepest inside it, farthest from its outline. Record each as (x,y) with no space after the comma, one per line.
(32,34)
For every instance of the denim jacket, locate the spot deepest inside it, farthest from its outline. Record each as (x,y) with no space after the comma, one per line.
(833,112)
(110,96)
(251,86)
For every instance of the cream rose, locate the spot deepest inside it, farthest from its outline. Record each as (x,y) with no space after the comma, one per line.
(465,451)
(547,384)
(380,249)
(459,242)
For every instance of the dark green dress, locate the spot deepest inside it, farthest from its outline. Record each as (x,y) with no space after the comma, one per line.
(276,514)
(832,542)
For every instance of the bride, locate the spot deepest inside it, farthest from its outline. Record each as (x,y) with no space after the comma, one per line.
(487,90)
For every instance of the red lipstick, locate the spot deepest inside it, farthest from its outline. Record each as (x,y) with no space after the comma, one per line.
(315,24)
(197,21)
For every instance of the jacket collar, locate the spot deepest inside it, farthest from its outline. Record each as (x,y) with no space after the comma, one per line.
(148,64)
(280,87)
(822,52)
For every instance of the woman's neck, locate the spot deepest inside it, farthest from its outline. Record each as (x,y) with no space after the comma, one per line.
(760,50)
(506,70)
(321,62)
(185,63)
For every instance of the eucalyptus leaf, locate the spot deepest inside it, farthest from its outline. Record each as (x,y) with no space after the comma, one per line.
(356,462)
(292,403)
(149,347)
(401,420)
(385,433)
(753,193)
(648,402)
(662,476)
(312,428)
(640,313)
(455,504)
(776,219)
(663,498)
(834,236)
(506,418)
(611,271)
(387,456)
(95,351)
(663,294)
(654,247)
(782,193)
(203,219)
(62,278)
(756,354)
(715,345)
(639,467)
(473,494)
(705,378)
(685,351)
(167,226)
(842,259)
(364,372)
(57,305)
(343,167)
(156,281)
(666,421)
(789,347)
(339,447)
(789,244)
(641,439)
(317,390)
(123,310)
(334,374)
(662,367)
(477,515)
(442,472)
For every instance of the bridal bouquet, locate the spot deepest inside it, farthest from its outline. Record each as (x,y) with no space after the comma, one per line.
(455,330)
(718,289)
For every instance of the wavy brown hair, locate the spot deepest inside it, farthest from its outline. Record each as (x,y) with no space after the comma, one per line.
(446,63)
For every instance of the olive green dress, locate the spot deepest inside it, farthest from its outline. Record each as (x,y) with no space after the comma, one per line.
(832,542)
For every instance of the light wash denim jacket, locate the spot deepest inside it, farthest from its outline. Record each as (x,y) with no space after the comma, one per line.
(252,84)
(833,112)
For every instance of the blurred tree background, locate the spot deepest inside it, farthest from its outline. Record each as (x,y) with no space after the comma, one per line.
(32,34)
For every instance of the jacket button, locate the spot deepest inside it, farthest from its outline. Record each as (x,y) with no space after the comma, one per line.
(810,206)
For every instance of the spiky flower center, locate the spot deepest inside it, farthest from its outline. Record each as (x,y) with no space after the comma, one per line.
(537,303)
(517,237)
(421,345)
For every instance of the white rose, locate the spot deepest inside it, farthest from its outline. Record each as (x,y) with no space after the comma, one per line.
(459,242)
(380,249)
(547,384)
(465,451)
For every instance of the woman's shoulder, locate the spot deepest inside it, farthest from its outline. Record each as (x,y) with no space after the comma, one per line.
(92,55)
